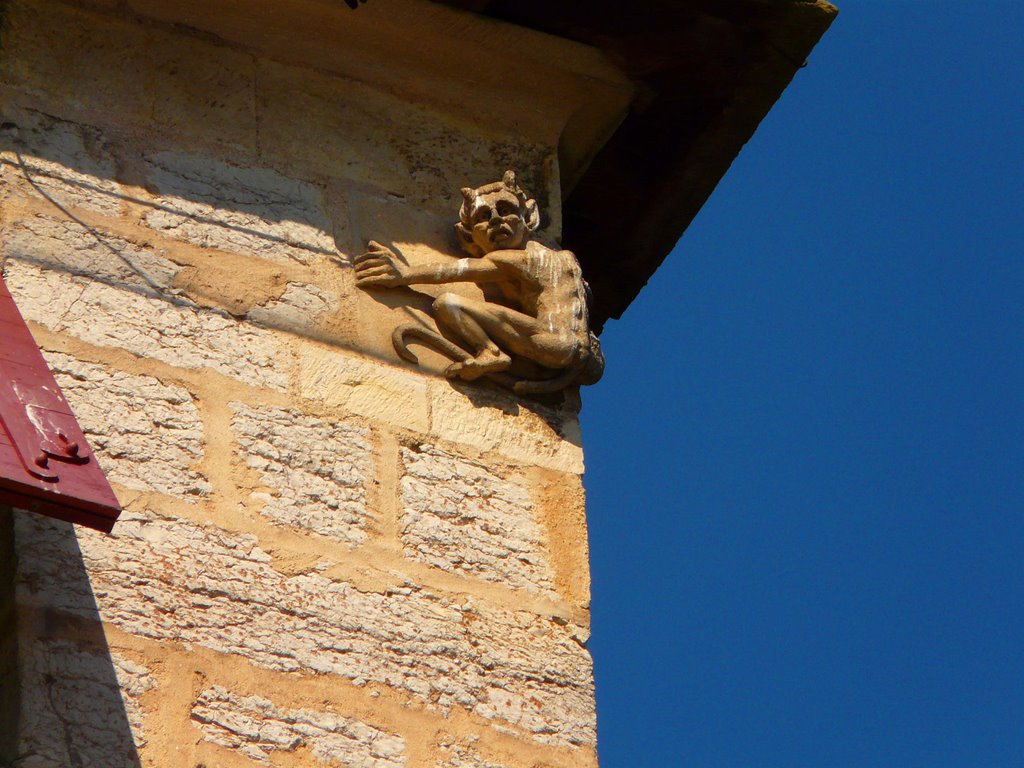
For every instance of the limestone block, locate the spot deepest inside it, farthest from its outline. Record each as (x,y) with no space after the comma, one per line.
(256,728)
(68,161)
(381,140)
(459,516)
(118,72)
(178,581)
(252,211)
(298,309)
(148,435)
(178,333)
(415,233)
(65,245)
(458,755)
(79,707)
(491,421)
(317,470)
(370,389)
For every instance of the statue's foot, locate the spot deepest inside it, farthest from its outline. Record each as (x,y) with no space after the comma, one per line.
(481,365)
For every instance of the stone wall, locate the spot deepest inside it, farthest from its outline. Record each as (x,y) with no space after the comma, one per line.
(326,556)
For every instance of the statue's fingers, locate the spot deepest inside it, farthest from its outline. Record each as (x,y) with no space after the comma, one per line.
(384,280)
(373,265)
(364,256)
(386,258)
(376,272)
(369,260)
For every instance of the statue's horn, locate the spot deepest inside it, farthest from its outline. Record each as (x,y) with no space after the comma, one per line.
(468,194)
(509,179)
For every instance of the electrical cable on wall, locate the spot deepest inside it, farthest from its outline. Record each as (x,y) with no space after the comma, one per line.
(12,129)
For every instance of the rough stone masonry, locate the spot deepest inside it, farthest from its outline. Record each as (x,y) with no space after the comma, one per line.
(327,557)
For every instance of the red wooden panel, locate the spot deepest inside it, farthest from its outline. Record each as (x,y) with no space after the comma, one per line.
(46,463)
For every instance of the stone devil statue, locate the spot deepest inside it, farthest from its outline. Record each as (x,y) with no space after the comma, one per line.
(530,332)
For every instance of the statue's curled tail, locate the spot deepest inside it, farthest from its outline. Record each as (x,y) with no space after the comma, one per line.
(403,334)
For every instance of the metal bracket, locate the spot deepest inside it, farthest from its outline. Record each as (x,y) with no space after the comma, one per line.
(37,432)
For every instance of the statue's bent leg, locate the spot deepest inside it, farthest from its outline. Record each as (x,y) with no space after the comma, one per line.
(456,315)
(493,331)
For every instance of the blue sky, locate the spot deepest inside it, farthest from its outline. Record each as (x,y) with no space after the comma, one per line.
(805,459)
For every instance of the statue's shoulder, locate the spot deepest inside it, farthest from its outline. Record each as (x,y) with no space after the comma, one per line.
(537,249)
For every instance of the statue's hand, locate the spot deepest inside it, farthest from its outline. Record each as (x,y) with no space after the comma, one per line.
(379,266)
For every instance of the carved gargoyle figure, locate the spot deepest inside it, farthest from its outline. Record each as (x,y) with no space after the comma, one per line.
(530,333)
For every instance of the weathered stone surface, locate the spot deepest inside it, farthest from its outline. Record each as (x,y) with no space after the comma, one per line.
(372,390)
(417,234)
(459,516)
(67,161)
(458,755)
(317,470)
(148,435)
(298,309)
(119,72)
(253,211)
(179,333)
(378,139)
(178,581)
(67,246)
(256,728)
(79,707)
(494,422)
(182,596)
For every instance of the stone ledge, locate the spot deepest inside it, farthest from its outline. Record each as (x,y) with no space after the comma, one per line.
(492,421)
(368,388)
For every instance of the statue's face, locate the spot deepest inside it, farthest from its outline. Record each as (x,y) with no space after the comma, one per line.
(496,222)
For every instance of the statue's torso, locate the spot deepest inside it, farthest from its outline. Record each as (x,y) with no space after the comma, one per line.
(544,283)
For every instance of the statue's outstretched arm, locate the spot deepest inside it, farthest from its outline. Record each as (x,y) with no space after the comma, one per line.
(380,266)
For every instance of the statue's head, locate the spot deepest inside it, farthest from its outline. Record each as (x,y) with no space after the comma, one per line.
(496,216)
